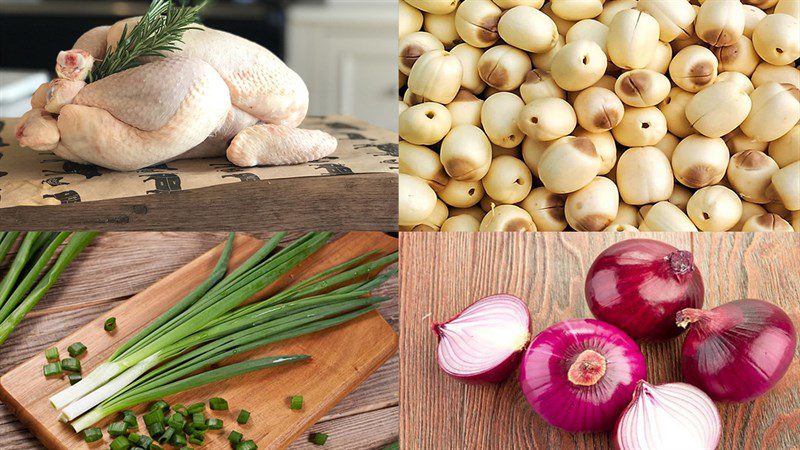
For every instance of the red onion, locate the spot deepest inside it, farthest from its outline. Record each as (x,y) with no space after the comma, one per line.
(484,342)
(737,351)
(667,417)
(579,374)
(639,285)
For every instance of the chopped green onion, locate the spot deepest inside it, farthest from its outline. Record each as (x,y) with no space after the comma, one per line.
(318,438)
(235,437)
(199,422)
(196,408)
(51,354)
(167,436)
(71,365)
(177,408)
(74,378)
(218,404)
(137,448)
(110,324)
(120,443)
(52,369)
(177,421)
(92,434)
(178,440)
(244,416)
(155,446)
(214,424)
(146,442)
(197,439)
(154,416)
(117,429)
(162,405)
(156,429)
(297,402)
(246,445)
(135,437)
(130,419)
(76,349)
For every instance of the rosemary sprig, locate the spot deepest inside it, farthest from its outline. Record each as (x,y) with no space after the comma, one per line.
(157,33)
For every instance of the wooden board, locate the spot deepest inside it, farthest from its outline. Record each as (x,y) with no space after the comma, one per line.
(440,274)
(343,357)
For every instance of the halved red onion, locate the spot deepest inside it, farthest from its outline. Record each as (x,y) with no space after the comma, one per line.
(484,342)
(738,350)
(639,285)
(579,374)
(668,417)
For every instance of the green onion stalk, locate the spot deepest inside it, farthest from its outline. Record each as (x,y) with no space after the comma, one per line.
(210,325)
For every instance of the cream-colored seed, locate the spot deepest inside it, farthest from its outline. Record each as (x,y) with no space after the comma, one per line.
(752,15)
(508,4)
(568,164)
(604,145)
(499,118)
(786,183)
(539,84)
(644,175)
(412,99)
(465,109)
(598,109)
(546,209)
(504,67)
(776,39)
(461,222)
(642,87)
(612,7)
(700,161)
(410,19)
(675,17)
(401,106)
(662,56)
(473,211)
(664,216)
(424,124)
(737,78)
(424,163)
(436,76)
(748,210)
(469,57)
(528,29)
(502,151)
(632,39)
(462,194)
(507,218)
(739,57)
(640,127)
(766,222)
(416,199)
(714,208)
(590,30)
(786,149)
(435,220)
(487,203)
(738,142)
(476,22)
(562,25)
(627,215)
(544,61)
(575,10)
(443,27)
(466,153)
(532,151)
(413,46)
(578,65)
(437,7)
(693,68)
(621,228)
(718,109)
(720,22)
(790,7)
(777,207)
(750,174)
(508,181)
(547,119)
(766,73)
(680,197)
(680,44)
(775,111)
(667,145)
(594,206)
(674,109)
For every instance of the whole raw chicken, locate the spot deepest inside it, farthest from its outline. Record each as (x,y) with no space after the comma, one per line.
(219,94)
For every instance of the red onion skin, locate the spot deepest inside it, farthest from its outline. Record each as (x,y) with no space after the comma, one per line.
(638,285)
(543,375)
(739,350)
(499,372)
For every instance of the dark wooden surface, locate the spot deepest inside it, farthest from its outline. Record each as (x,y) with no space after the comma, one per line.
(359,202)
(440,274)
(129,262)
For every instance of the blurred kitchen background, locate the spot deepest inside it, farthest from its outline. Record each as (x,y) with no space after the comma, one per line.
(343,49)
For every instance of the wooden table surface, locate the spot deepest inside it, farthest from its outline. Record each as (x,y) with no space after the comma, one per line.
(126,263)
(440,274)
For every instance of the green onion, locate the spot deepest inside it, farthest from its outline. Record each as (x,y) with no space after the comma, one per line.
(76,349)
(214,424)
(156,429)
(196,408)
(110,324)
(393,446)
(154,416)
(235,437)
(117,429)
(218,404)
(135,437)
(177,421)
(178,440)
(145,442)
(167,436)
(92,434)
(52,369)
(74,378)
(244,416)
(120,443)
(71,365)
(197,439)
(130,419)
(296,402)
(199,422)
(246,445)
(51,354)
(156,447)
(318,438)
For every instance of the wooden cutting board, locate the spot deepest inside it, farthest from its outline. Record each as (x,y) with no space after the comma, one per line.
(342,357)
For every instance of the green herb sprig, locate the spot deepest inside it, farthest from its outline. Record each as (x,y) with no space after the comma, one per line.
(158,32)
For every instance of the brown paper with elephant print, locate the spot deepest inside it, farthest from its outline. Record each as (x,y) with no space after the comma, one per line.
(31,178)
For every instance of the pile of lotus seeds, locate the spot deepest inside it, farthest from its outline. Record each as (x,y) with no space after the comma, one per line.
(592,115)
